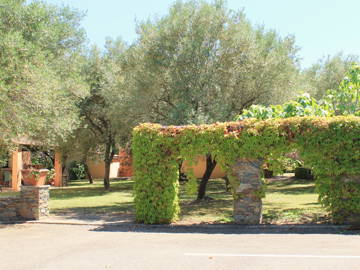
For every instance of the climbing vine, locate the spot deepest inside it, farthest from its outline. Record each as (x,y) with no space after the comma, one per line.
(331,145)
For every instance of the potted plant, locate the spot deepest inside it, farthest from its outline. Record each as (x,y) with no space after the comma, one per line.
(34,177)
(50,177)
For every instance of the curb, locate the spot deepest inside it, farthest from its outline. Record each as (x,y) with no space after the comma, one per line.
(195,227)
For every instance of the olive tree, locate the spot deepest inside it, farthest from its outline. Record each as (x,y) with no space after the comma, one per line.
(39,75)
(106,113)
(203,63)
(326,74)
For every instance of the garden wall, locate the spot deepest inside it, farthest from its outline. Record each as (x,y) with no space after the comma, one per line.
(31,204)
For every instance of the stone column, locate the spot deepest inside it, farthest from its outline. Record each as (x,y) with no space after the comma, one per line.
(34,202)
(248,203)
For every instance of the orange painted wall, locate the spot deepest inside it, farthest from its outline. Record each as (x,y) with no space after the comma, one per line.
(200,166)
(124,167)
(97,169)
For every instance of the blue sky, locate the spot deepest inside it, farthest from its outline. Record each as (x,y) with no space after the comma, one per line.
(321,27)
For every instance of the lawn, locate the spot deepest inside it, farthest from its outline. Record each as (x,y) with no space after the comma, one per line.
(9,194)
(287,201)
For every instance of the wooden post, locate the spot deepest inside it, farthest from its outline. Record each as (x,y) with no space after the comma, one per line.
(58,170)
(16,169)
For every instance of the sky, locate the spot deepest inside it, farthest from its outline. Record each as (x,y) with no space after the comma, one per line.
(320,27)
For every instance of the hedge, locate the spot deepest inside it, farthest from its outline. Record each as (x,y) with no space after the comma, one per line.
(330,145)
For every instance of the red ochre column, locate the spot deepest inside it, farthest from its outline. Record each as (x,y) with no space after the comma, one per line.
(16,169)
(58,170)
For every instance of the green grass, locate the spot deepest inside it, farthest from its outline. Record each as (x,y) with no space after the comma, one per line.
(85,198)
(292,201)
(9,194)
(287,201)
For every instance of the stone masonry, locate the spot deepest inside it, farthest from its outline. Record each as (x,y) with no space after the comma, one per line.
(9,208)
(248,203)
(32,204)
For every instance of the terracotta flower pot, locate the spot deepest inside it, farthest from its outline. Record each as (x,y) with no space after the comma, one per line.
(33,177)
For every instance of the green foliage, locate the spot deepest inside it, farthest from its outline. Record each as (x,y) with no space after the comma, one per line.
(303,105)
(330,145)
(326,74)
(345,100)
(203,63)
(156,199)
(106,119)
(37,92)
(77,171)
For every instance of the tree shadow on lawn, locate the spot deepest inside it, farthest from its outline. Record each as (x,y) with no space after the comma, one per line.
(291,187)
(293,190)
(294,216)
(208,207)
(78,192)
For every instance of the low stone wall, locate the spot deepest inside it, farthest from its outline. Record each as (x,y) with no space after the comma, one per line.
(9,208)
(32,204)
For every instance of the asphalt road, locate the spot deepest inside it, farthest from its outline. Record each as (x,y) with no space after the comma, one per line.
(37,246)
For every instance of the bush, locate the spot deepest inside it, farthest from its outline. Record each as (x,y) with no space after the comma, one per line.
(76,171)
(303,173)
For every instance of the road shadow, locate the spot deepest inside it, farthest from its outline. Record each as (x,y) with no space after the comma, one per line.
(231,229)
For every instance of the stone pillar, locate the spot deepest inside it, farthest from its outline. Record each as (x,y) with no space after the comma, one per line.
(16,167)
(248,203)
(34,202)
(58,170)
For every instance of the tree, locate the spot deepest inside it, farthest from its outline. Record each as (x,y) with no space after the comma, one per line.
(37,91)
(200,54)
(203,63)
(326,74)
(344,100)
(106,112)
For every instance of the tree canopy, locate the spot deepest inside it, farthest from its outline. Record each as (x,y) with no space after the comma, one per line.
(39,76)
(326,74)
(344,100)
(203,63)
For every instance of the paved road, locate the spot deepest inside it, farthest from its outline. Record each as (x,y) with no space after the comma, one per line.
(37,246)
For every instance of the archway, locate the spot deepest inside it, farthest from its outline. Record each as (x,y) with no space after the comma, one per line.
(327,144)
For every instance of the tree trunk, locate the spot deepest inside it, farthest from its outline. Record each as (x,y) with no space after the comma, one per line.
(87,171)
(210,166)
(182,176)
(107,174)
(109,155)
(227,183)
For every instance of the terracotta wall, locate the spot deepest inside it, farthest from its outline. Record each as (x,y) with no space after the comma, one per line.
(97,169)
(199,168)
(125,169)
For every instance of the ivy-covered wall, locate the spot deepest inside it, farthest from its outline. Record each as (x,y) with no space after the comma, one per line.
(330,145)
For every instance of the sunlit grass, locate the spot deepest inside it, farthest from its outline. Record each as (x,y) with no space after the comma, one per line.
(287,201)
(87,198)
